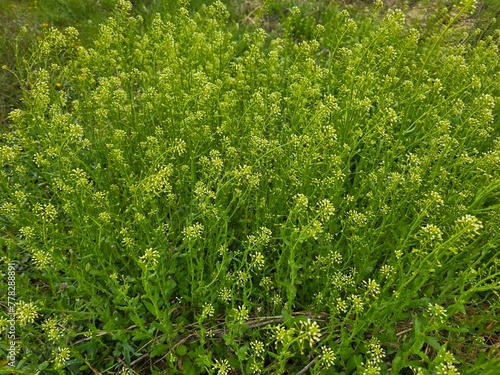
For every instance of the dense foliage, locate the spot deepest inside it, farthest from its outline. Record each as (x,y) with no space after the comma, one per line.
(184,197)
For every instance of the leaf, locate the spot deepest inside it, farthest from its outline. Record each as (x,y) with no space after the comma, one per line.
(417,344)
(401,362)
(181,350)
(189,368)
(229,340)
(397,363)
(457,306)
(419,324)
(454,329)
(242,352)
(137,335)
(202,357)
(159,350)
(136,319)
(481,359)
(152,308)
(120,335)
(354,362)
(128,347)
(285,315)
(234,363)
(432,341)
(126,353)
(168,289)
(43,366)
(165,328)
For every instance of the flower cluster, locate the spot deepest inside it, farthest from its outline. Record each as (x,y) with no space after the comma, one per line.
(437,312)
(258,348)
(327,357)
(325,210)
(470,224)
(222,366)
(41,259)
(282,335)
(62,355)
(208,310)
(193,232)
(52,330)
(26,313)
(309,331)
(431,233)
(372,287)
(332,169)
(241,313)
(375,355)
(150,259)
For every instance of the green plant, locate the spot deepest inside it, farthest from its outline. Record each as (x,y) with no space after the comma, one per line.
(179,200)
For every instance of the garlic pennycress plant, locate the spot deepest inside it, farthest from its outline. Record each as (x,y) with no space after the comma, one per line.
(185,197)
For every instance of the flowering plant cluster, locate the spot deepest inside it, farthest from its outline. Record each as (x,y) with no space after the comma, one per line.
(184,197)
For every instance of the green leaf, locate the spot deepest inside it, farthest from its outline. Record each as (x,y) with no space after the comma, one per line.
(481,359)
(432,341)
(152,308)
(419,324)
(202,357)
(120,335)
(128,347)
(457,307)
(398,363)
(136,319)
(454,329)
(401,362)
(159,350)
(354,363)
(189,368)
(417,344)
(286,315)
(162,327)
(181,350)
(229,340)
(137,335)
(126,352)
(169,286)
(234,363)
(43,366)
(242,352)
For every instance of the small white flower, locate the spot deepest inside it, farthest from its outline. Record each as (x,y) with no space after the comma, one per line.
(327,357)
(208,310)
(310,330)
(222,366)
(150,259)
(62,356)
(471,224)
